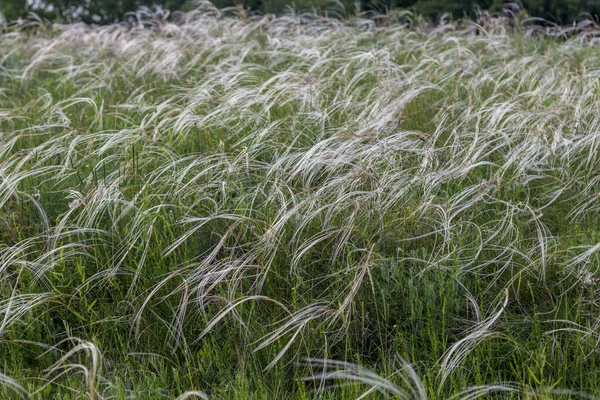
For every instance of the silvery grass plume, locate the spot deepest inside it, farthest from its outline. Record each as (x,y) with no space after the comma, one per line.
(90,371)
(277,182)
(409,385)
(13,385)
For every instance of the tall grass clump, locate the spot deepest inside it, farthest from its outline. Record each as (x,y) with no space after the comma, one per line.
(216,204)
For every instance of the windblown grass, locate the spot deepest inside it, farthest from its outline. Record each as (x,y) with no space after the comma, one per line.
(237,206)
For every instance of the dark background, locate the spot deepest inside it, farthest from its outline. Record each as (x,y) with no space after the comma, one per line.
(107,11)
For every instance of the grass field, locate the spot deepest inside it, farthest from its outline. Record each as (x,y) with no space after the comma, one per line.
(234,207)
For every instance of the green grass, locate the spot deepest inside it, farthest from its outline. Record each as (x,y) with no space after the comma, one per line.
(298,208)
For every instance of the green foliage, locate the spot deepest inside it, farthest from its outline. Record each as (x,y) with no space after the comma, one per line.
(103,11)
(13,9)
(561,11)
(108,11)
(97,11)
(217,206)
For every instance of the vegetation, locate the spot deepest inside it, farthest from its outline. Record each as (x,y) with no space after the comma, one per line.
(237,206)
(109,11)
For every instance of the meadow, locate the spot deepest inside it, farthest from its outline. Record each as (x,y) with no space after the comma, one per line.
(220,205)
